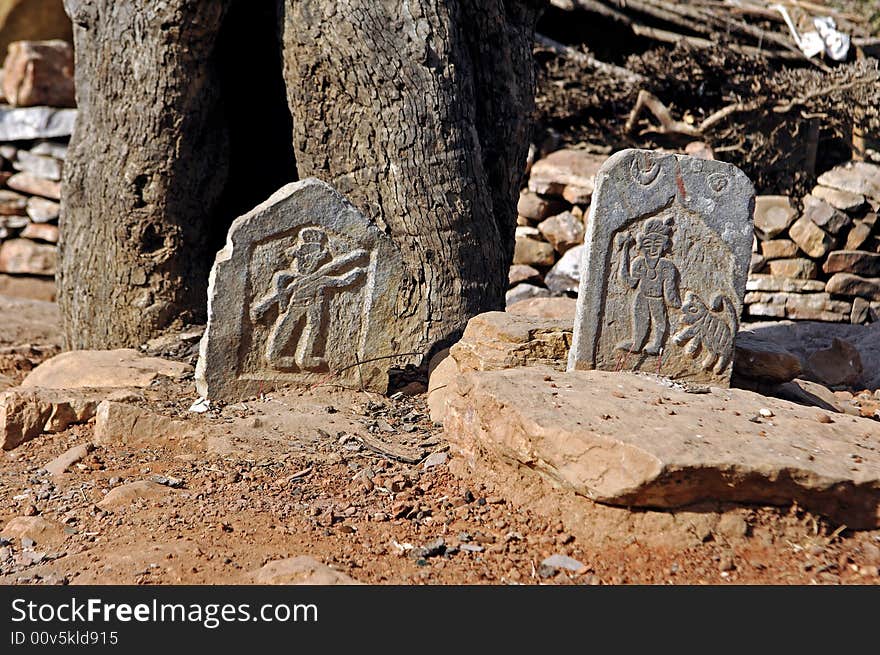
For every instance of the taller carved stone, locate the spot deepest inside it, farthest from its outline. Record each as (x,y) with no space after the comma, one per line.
(665,266)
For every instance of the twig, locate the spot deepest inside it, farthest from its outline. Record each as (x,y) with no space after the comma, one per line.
(724,112)
(668,125)
(804,99)
(591,62)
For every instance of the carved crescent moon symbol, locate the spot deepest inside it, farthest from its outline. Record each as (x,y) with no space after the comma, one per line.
(644,168)
(717,182)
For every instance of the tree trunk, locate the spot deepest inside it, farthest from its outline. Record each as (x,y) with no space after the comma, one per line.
(418,112)
(145,169)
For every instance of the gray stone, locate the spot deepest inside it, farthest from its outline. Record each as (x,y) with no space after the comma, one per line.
(26,123)
(774,283)
(824,215)
(50,149)
(857,177)
(761,358)
(857,236)
(550,565)
(773,215)
(522,273)
(304,289)
(666,257)
(757,263)
(565,276)
(48,168)
(839,364)
(843,200)
(42,210)
(564,231)
(800,306)
(525,291)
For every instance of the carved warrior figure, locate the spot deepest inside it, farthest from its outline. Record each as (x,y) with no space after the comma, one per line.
(655,279)
(299,293)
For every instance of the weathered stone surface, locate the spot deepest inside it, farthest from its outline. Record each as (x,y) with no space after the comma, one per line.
(102,369)
(12,203)
(666,257)
(42,210)
(564,231)
(798,268)
(523,292)
(136,427)
(810,238)
(577,195)
(800,306)
(529,231)
(301,570)
(565,276)
(861,311)
(774,283)
(847,284)
(441,370)
(28,413)
(856,177)
(47,168)
(805,392)
(532,252)
(305,287)
(779,249)
(37,528)
(858,262)
(843,200)
(50,149)
(26,123)
(522,273)
(39,73)
(40,232)
(30,183)
(760,358)
(773,215)
(26,256)
(562,168)
(840,364)
(757,263)
(625,448)
(497,340)
(825,216)
(552,308)
(33,19)
(126,494)
(30,287)
(857,236)
(67,459)
(536,208)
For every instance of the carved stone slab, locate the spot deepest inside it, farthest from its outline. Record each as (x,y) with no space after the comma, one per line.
(304,289)
(665,263)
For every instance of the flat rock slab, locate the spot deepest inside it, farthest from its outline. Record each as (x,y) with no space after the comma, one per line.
(666,256)
(305,288)
(102,369)
(26,123)
(301,570)
(640,441)
(26,320)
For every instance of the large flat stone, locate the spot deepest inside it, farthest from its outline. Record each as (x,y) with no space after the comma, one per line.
(667,252)
(39,73)
(24,256)
(102,369)
(773,215)
(779,283)
(26,123)
(571,168)
(764,359)
(847,284)
(810,238)
(637,441)
(304,289)
(857,177)
(799,306)
(859,262)
(28,413)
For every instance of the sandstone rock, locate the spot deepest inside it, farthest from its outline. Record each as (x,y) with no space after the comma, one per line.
(858,262)
(760,358)
(442,369)
(840,364)
(857,177)
(40,232)
(532,252)
(798,268)
(536,208)
(800,306)
(810,238)
(30,183)
(126,494)
(28,257)
(39,73)
(846,284)
(773,283)
(805,392)
(41,210)
(136,427)
(857,236)
(562,168)
(26,123)
(33,19)
(47,168)
(28,413)
(525,291)
(627,449)
(666,257)
(700,150)
(577,195)
(50,149)
(757,263)
(843,200)
(12,203)
(779,249)
(497,340)
(29,287)
(773,215)
(304,257)
(549,308)
(825,216)
(565,275)
(29,321)
(102,369)
(67,459)
(301,571)
(861,311)
(528,231)
(522,273)
(563,231)
(42,531)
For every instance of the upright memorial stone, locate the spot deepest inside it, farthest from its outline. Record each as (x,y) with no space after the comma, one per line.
(665,263)
(303,291)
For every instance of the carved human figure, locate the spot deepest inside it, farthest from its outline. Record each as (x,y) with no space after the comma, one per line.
(655,279)
(299,293)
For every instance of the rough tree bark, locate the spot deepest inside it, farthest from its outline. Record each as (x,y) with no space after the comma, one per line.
(144,170)
(418,112)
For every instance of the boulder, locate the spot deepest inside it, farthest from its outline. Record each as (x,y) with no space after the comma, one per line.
(612,438)
(102,369)
(843,200)
(761,358)
(859,262)
(441,370)
(519,273)
(824,215)
(856,177)
(773,215)
(42,210)
(43,532)
(136,427)
(126,494)
(840,364)
(565,276)
(545,308)
(301,570)
(810,238)
(563,231)
(24,256)
(797,268)
(39,73)
(847,284)
(857,236)
(533,252)
(525,291)
(28,413)
(537,208)
(779,249)
(566,168)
